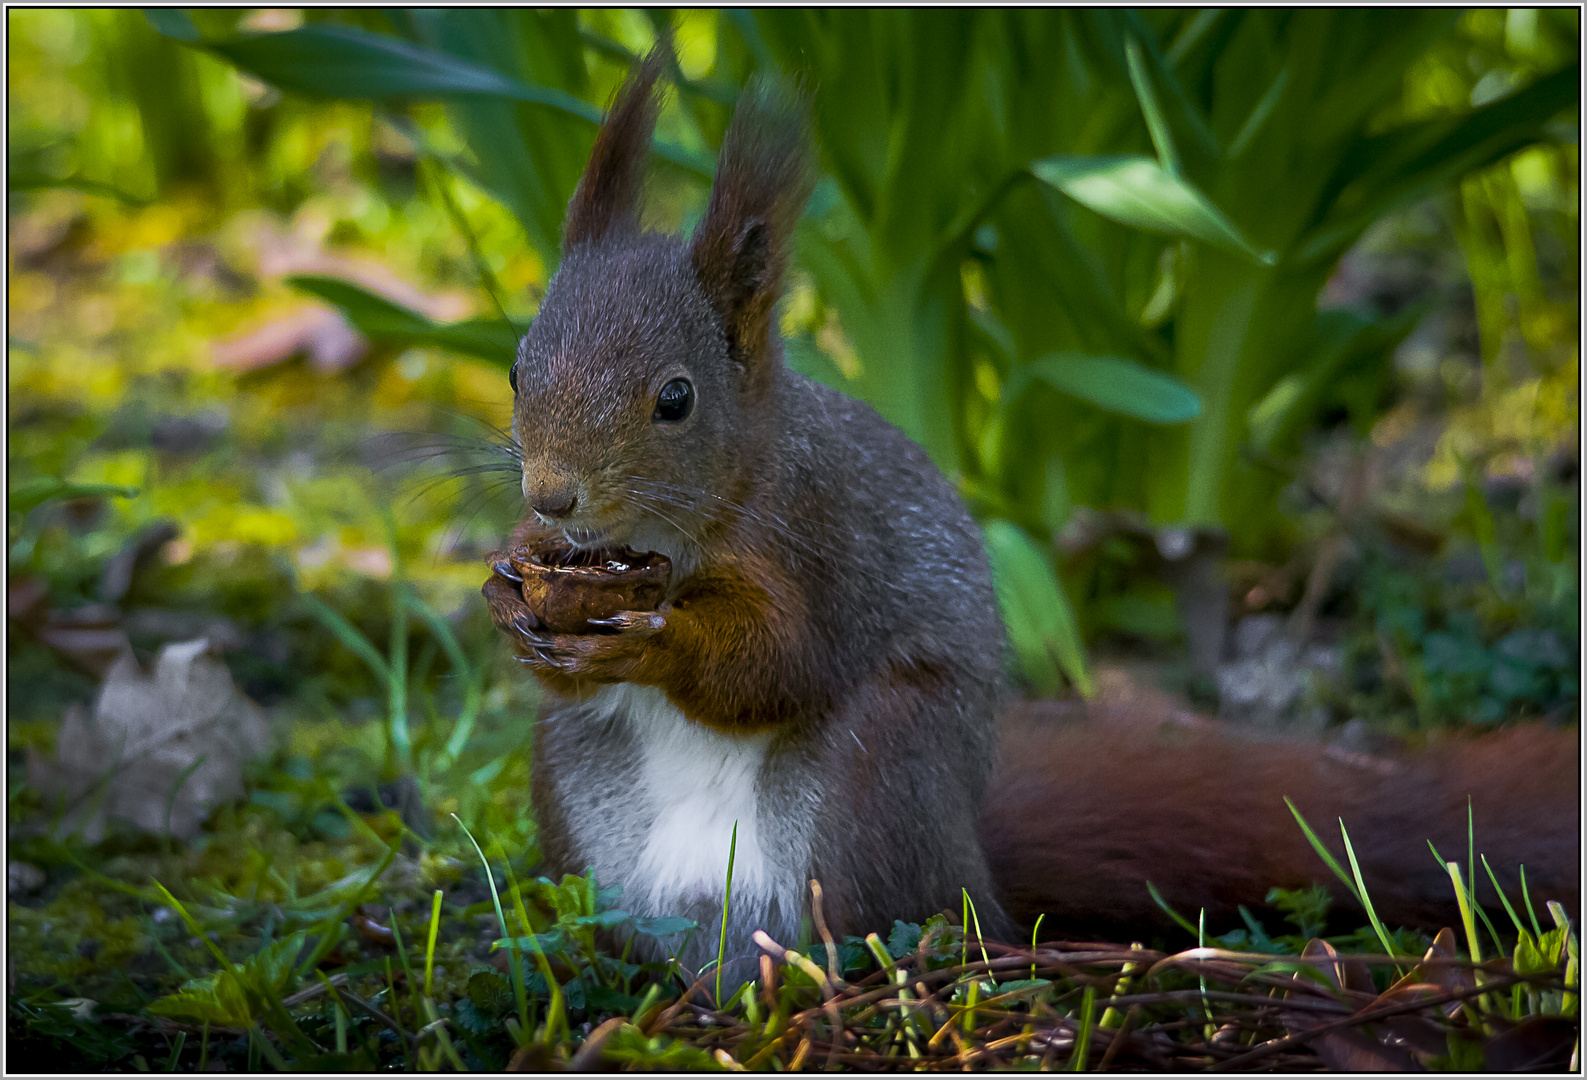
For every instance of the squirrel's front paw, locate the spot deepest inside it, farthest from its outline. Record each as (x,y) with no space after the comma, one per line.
(610,654)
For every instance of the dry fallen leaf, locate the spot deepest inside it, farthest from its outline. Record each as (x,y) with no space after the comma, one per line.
(160,750)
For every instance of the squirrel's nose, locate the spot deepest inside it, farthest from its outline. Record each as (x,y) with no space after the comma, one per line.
(555,499)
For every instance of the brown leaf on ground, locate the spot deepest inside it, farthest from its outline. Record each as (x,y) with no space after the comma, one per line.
(88,637)
(160,750)
(317,331)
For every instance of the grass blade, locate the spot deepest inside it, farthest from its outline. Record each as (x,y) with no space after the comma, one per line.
(429,948)
(1361,891)
(1082,1051)
(176,1051)
(512,946)
(1514,918)
(1157,898)
(348,635)
(727,897)
(1531,912)
(1156,122)
(1326,855)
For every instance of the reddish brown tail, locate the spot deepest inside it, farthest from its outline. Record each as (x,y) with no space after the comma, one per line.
(1083,814)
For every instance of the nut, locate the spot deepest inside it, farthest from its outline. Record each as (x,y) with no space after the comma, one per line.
(566,588)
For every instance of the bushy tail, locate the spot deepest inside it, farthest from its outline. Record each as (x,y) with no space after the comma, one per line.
(1083,814)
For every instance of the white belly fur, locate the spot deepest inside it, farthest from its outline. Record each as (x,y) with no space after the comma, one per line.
(690,786)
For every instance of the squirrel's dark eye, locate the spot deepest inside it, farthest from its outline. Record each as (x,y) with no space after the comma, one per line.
(512,377)
(676,401)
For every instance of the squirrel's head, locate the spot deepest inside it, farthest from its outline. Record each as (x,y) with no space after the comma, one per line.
(643,386)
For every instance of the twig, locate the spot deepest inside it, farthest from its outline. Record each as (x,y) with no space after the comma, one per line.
(1366,1016)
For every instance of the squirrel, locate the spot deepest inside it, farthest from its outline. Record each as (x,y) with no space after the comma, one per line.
(821,688)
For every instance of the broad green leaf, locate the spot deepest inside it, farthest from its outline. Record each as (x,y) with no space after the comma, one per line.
(342,61)
(42,489)
(236,997)
(218,999)
(1139,192)
(1118,385)
(1401,166)
(550,942)
(1342,344)
(663,925)
(32,181)
(378,319)
(173,23)
(326,60)
(1041,625)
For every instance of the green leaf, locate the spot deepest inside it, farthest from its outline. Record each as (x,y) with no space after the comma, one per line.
(32,181)
(1137,191)
(491,339)
(42,489)
(1041,625)
(173,23)
(603,919)
(1118,385)
(348,635)
(663,925)
(1156,122)
(1400,166)
(218,999)
(1341,345)
(344,62)
(1021,984)
(490,993)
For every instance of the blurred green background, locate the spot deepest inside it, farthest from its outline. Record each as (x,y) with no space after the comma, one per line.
(1249,336)
(1210,315)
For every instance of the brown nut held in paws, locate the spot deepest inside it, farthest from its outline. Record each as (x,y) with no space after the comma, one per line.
(566,588)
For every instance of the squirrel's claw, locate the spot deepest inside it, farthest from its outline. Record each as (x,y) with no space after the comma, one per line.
(633,622)
(504,568)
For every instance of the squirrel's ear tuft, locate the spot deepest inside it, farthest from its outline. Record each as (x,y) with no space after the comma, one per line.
(763,177)
(607,198)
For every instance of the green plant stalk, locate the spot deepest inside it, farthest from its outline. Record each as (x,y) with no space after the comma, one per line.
(429,948)
(974,994)
(1033,932)
(332,934)
(1573,961)
(1531,912)
(471,675)
(727,897)
(176,1051)
(1207,1029)
(1082,1050)
(396,1018)
(1471,897)
(397,686)
(437,1025)
(414,991)
(1366,901)
(1184,923)
(1323,852)
(1112,1017)
(964,928)
(1470,925)
(259,1046)
(1505,900)
(341,1011)
(515,969)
